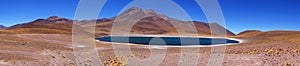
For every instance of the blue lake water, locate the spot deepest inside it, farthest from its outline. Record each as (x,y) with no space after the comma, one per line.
(173,41)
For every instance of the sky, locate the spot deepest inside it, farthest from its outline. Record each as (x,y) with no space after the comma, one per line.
(240,15)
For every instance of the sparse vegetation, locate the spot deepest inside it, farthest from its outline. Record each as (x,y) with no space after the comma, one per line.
(116,61)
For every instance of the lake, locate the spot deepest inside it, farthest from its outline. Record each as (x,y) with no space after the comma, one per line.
(169,41)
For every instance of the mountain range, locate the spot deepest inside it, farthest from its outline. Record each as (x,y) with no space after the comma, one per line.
(153,24)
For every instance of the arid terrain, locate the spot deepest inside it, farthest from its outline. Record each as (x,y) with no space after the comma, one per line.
(48,42)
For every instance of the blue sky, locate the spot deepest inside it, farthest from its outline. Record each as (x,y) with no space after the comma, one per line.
(239,15)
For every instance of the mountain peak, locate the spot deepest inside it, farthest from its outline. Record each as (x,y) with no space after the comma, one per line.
(2,26)
(250,31)
(134,12)
(135,8)
(49,20)
(53,18)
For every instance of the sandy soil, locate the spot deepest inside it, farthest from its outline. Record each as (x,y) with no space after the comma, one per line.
(56,50)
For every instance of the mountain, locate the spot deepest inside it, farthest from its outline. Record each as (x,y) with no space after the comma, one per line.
(43,23)
(269,34)
(51,25)
(148,22)
(153,23)
(2,27)
(278,33)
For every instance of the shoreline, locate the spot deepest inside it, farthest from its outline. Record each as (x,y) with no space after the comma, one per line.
(240,41)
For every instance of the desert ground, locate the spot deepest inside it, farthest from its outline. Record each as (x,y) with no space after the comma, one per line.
(277,48)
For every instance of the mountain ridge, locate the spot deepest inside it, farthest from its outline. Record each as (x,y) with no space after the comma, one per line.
(152,23)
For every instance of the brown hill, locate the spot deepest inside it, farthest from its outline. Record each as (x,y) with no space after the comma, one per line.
(270,34)
(249,33)
(51,25)
(283,35)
